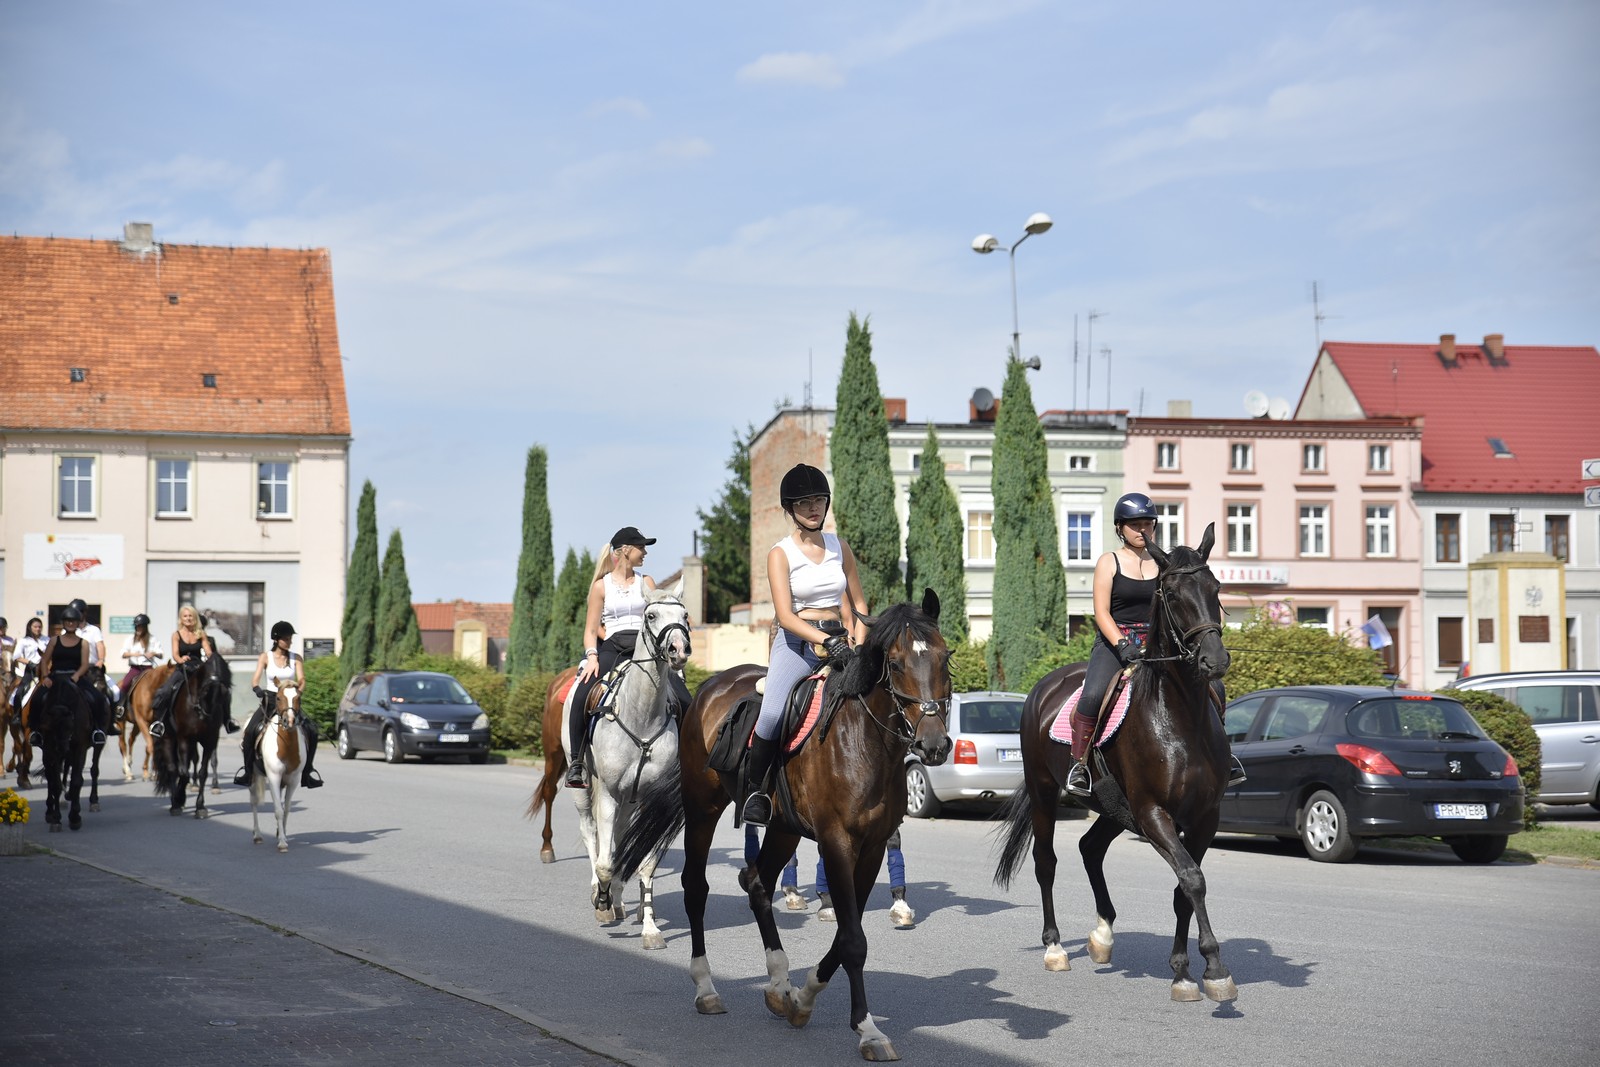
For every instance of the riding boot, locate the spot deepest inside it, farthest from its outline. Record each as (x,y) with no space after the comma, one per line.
(246,772)
(309,778)
(757,767)
(1078,777)
(577,771)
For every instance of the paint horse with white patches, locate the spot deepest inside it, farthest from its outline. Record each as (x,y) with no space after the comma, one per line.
(279,754)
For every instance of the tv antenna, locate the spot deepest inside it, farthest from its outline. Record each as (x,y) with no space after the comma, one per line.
(807,403)
(1317,314)
(1105,350)
(1088,364)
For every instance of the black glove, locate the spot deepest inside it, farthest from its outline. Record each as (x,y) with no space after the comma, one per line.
(836,646)
(1128,652)
(261,694)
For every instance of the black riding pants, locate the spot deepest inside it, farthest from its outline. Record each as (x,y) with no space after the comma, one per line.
(612,651)
(247,744)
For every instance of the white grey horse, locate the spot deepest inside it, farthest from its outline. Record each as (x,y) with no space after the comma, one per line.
(634,741)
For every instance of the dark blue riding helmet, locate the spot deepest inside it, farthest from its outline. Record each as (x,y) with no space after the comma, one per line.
(1132,506)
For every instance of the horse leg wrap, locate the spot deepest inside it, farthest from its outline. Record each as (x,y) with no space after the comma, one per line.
(778,988)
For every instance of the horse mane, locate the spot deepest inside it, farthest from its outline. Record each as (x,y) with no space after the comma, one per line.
(866,664)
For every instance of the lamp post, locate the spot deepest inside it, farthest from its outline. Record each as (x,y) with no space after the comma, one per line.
(985,243)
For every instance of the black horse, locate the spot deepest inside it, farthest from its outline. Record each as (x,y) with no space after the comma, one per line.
(1169,758)
(61,714)
(200,707)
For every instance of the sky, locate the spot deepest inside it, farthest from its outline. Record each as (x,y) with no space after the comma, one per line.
(627,232)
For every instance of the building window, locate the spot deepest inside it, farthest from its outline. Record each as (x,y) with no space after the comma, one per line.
(272,489)
(980,461)
(1557,541)
(1166,455)
(1502,533)
(1169,526)
(1080,546)
(980,536)
(1447,538)
(1241,457)
(1450,642)
(1380,529)
(76,485)
(1313,459)
(1080,463)
(1241,529)
(235,613)
(1313,529)
(916,461)
(172,488)
(1317,617)
(1378,459)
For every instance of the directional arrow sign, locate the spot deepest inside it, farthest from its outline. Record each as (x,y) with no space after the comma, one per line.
(1591,496)
(1591,468)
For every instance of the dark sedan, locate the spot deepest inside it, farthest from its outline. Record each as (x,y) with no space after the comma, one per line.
(1332,764)
(417,713)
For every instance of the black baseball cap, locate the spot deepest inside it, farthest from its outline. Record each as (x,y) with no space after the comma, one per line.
(630,535)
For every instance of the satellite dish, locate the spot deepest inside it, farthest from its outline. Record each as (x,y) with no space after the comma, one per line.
(1278,409)
(982,399)
(1255,402)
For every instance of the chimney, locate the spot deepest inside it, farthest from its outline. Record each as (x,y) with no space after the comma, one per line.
(1495,345)
(894,409)
(138,237)
(1447,349)
(1180,409)
(983,407)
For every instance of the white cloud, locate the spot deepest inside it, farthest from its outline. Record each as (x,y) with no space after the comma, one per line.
(794,68)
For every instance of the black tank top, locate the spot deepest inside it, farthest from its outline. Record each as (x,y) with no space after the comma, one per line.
(68,658)
(1130,597)
(192,651)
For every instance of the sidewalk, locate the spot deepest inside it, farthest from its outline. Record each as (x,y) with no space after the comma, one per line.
(100,969)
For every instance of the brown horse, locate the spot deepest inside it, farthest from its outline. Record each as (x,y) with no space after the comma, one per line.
(846,790)
(1169,758)
(199,708)
(14,723)
(553,738)
(136,723)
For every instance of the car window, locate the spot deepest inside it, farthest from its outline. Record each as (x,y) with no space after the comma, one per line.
(1294,716)
(361,692)
(991,716)
(427,689)
(380,690)
(1414,717)
(1549,703)
(1239,717)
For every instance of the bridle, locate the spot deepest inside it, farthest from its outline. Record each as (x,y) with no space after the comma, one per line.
(900,727)
(657,639)
(655,644)
(1186,639)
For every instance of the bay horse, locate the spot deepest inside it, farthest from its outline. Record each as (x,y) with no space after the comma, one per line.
(277,767)
(553,741)
(1169,758)
(60,713)
(20,755)
(634,743)
(199,708)
(136,722)
(846,790)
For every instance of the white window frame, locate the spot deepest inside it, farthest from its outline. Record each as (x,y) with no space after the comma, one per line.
(1315,527)
(971,512)
(93,478)
(1172,458)
(986,459)
(1380,459)
(1314,451)
(1242,528)
(1088,532)
(156,481)
(1381,532)
(1169,523)
(1245,449)
(288,488)
(1080,461)
(1326,625)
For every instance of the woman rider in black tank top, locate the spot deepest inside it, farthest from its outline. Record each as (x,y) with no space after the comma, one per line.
(1130,598)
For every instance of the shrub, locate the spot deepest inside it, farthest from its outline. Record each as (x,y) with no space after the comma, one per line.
(320,699)
(1265,654)
(969,667)
(694,676)
(1076,650)
(1511,729)
(522,724)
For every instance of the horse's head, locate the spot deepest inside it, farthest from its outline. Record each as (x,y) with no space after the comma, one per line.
(1186,606)
(666,626)
(288,707)
(905,656)
(216,685)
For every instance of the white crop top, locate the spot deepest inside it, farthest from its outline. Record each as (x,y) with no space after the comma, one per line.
(624,606)
(815,585)
(276,675)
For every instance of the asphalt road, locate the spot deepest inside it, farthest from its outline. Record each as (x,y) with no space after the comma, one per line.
(432,871)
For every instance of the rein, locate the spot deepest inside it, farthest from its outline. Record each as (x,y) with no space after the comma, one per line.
(653,645)
(1188,653)
(906,731)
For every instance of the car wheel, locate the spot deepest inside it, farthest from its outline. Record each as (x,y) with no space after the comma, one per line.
(392,752)
(1485,849)
(1325,829)
(346,749)
(478,757)
(920,801)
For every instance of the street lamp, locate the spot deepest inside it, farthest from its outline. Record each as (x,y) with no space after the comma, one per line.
(985,243)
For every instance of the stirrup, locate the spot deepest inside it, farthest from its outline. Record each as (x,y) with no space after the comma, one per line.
(98,737)
(1236,775)
(311,779)
(242,776)
(158,730)
(1078,780)
(35,739)
(578,776)
(757,809)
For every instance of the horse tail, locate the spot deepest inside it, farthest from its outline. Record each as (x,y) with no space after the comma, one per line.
(535,803)
(657,820)
(166,761)
(1016,832)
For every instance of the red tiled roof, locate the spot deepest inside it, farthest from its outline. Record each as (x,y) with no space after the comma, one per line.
(496,618)
(435,616)
(146,327)
(1541,401)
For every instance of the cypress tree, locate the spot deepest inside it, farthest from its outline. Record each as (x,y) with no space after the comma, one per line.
(863,482)
(564,642)
(398,636)
(356,638)
(536,572)
(1030,587)
(726,554)
(933,544)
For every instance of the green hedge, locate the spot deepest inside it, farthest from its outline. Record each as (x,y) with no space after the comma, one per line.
(969,667)
(320,700)
(1265,654)
(1511,729)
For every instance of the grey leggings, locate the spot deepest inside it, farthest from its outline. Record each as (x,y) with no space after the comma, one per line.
(792,659)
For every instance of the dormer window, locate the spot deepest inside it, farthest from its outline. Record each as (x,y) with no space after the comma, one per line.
(208,380)
(1501,450)
(80,374)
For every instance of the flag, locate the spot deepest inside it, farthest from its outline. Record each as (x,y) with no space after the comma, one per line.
(1377,633)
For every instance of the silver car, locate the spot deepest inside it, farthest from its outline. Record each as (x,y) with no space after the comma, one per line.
(1565,709)
(985,761)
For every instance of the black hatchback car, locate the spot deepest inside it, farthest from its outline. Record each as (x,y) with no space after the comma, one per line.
(1332,764)
(417,713)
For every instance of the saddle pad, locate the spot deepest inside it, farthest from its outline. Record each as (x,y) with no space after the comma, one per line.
(566,690)
(733,737)
(813,711)
(1061,728)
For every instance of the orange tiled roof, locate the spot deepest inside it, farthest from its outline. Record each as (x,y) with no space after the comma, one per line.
(496,618)
(435,616)
(146,327)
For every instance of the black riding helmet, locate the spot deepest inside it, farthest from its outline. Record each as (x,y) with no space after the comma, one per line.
(141,619)
(72,613)
(803,480)
(1132,506)
(281,630)
(79,605)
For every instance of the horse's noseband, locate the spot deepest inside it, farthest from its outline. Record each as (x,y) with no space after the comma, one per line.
(1186,639)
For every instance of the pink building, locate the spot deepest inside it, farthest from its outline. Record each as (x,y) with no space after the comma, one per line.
(1314,519)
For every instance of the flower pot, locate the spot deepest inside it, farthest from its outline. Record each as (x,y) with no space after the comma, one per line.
(12,841)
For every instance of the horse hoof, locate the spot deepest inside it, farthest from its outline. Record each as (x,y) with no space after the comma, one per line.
(1055,959)
(827,915)
(283,848)
(216,790)
(902,916)
(710,1004)
(255,839)
(55,828)
(1221,990)
(619,913)
(777,1002)
(1099,951)
(201,813)
(793,900)
(653,941)
(879,1050)
(75,824)
(547,855)
(174,812)
(603,916)
(94,807)
(1185,992)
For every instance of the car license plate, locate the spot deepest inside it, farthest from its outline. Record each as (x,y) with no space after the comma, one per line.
(447,739)
(1010,755)
(1460,811)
